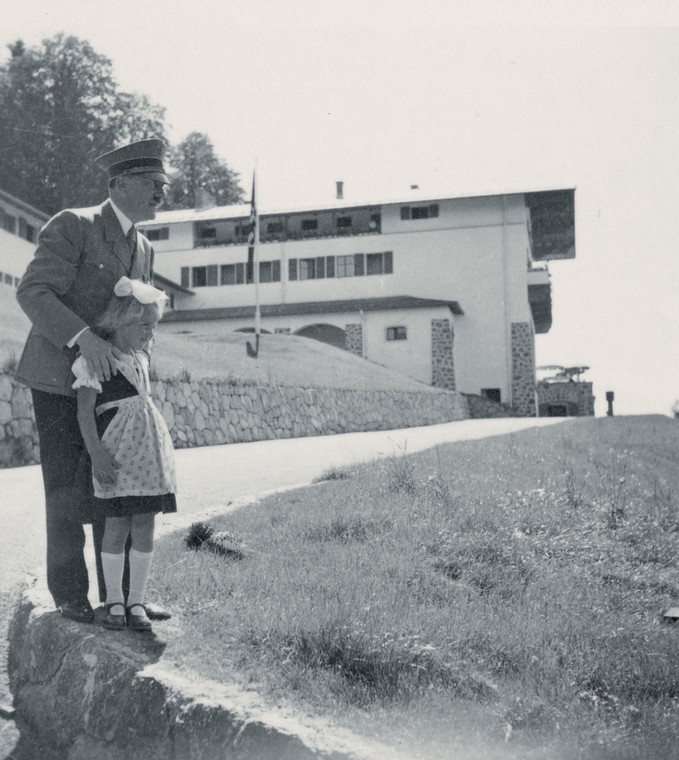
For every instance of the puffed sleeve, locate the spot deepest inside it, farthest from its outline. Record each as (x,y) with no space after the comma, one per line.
(84,376)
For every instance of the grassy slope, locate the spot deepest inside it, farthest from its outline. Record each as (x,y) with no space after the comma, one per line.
(283,359)
(394,599)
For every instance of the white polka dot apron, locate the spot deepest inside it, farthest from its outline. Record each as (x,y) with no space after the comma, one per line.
(138,439)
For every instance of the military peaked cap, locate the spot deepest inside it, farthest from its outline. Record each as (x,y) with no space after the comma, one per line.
(141,157)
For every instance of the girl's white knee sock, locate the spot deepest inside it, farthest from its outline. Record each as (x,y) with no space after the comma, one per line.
(140,567)
(112,565)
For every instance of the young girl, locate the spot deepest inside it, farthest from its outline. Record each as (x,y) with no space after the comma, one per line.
(130,449)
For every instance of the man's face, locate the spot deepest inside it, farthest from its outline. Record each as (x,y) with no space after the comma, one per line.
(142,196)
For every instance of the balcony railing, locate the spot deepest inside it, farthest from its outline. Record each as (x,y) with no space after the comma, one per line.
(282,237)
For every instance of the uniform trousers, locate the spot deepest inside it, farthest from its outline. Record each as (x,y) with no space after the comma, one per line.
(61,451)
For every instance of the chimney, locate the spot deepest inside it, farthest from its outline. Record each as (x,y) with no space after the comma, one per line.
(340,190)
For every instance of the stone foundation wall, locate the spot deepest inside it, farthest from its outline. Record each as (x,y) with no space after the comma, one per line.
(206,413)
(442,365)
(523,369)
(354,339)
(578,397)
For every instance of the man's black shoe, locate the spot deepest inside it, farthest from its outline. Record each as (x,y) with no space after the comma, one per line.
(156,612)
(81,612)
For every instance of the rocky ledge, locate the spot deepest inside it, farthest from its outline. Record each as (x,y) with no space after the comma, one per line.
(83,692)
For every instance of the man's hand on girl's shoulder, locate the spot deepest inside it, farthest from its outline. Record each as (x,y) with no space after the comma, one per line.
(100,355)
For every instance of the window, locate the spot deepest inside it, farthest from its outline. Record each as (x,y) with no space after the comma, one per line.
(10,223)
(274,228)
(233,274)
(307,269)
(269,271)
(420,212)
(199,277)
(207,233)
(30,233)
(397,333)
(160,233)
(492,394)
(202,277)
(309,224)
(343,222)
(282,330)
(375,222)
(379,263)
(344,266)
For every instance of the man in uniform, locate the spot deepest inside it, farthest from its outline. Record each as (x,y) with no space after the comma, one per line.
(81,254)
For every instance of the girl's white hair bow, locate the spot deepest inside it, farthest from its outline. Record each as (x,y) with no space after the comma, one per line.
(142,291)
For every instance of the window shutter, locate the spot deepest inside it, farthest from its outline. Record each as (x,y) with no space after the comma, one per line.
(292,269)
(359,264)
(405,212)
(320,267)
(388,262)
(185,277)
(277,271)
(329,266)
(434,210)
(212,277)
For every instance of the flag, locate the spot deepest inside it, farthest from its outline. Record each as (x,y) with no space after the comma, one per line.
(252,233)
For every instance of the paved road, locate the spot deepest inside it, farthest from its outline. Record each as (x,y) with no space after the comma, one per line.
(212,480)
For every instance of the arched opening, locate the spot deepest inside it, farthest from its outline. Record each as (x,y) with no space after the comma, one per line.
(331,334)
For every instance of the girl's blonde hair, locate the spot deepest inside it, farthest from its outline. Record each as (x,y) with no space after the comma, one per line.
(121,311)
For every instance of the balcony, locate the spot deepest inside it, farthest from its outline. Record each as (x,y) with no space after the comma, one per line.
(540,298)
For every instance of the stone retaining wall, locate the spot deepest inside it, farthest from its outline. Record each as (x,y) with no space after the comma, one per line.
(206,413)
(481,407)
(84,693)
(18,436)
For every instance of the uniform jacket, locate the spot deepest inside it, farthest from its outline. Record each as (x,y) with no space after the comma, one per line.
(81,254)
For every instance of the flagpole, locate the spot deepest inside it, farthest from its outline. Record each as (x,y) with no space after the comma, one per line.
(253,263)
(256,265)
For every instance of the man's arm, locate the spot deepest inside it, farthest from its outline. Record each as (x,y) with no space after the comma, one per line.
(104,465)
(50,274)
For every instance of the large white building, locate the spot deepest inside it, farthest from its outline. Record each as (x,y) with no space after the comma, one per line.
(20,224)
(449,290)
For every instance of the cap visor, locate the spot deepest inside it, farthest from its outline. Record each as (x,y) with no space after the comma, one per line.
(157,177)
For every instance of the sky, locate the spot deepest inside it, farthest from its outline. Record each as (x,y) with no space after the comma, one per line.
(457,97)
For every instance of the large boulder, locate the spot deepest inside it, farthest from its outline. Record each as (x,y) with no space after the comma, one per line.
(84,693)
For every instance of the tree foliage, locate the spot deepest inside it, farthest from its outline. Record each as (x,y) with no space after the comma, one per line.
(200,176)
(59,109)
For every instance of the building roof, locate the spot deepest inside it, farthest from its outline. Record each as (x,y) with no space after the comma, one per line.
(385,303)
(166,284)
(26,207)
(242,211)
